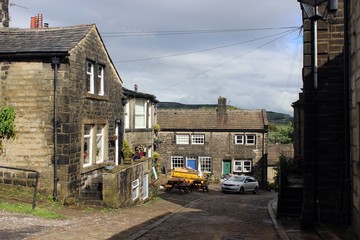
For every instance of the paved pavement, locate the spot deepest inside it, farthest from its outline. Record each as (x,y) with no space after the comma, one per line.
(290,229)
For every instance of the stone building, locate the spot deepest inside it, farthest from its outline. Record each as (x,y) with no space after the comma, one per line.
(215,141)
(322,118)
(4,13)
(139,119)
(64,74)
(275,151)
(353,31)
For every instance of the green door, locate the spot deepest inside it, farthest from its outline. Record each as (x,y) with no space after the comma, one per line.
(226,167)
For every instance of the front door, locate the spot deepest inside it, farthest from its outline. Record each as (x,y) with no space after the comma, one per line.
(226,166)
(191,163)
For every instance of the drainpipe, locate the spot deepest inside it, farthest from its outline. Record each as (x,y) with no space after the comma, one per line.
(55,63)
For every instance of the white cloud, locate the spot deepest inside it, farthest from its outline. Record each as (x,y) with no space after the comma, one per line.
(266,77)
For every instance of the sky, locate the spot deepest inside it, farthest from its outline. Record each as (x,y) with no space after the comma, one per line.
(192,52)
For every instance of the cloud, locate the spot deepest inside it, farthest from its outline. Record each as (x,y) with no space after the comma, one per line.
(257,74)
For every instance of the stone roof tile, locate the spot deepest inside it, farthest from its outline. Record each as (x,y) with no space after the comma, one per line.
(41,40)
(211,120)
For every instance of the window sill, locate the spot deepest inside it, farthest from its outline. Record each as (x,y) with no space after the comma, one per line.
(90,168)
(97,97)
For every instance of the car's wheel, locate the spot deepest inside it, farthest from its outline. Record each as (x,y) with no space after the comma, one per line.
(256,190)
(241,191)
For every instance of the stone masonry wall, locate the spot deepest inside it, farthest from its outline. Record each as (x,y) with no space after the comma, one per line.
(325,162)
(76,107)
(354,35)
(219,146)
(27,85)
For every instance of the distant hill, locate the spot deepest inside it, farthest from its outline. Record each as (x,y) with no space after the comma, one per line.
(273,117)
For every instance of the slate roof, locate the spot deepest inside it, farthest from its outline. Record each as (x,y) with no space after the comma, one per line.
(134,94)
(41,40)
(235,120)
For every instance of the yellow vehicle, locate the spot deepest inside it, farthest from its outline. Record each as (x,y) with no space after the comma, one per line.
(188,174)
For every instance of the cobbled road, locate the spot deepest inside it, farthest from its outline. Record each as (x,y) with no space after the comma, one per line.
(198,215)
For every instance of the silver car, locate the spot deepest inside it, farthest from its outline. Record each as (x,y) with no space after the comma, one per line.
(240,184)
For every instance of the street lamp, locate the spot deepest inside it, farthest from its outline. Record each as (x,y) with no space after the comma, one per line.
(313,3)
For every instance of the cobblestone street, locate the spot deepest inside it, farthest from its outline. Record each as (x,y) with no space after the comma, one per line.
(198,215)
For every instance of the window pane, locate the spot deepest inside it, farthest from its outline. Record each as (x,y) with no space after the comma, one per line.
(197,139)
(90,77)
(139,113)
(100,143)
(135,189)
(100,80)
(205,164)
(87,144)
(250,139)
(238,166)
(177,161)
(182,139)
(239,139)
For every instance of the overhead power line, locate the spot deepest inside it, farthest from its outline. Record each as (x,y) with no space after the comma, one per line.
(203,50)
(182,32)
(230,60)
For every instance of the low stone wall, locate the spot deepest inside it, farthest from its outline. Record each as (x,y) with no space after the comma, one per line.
(20,177)
(129,185)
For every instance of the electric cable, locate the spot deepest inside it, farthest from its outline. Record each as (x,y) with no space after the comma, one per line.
(227,61)
(201,50)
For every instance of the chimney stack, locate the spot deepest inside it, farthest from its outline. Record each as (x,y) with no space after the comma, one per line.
(221,106)
(37,21)
(4,13)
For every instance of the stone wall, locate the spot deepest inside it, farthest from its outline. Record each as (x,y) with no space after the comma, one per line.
(219,146)
(324,107)
(354,35)
(27,85)
(118,184)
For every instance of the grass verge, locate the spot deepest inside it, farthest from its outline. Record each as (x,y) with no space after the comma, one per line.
(27,209)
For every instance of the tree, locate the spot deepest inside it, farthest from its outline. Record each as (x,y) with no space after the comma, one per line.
(283,134)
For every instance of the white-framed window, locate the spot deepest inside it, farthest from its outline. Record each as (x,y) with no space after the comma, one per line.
(95,78)
(242,166)
(239,139)
(177,161)
(135,189)
(205,164)
(90,77)
(100,80)
(149,114)
(197,139)
(87,151)
(145,187)
(127,115)
(100,142)
(140,117)
(182,139)
(94,149)
(250,139)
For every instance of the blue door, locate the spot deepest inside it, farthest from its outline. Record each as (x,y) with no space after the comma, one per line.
(191,163)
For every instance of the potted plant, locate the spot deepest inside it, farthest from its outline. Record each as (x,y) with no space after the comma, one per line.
(156,128)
